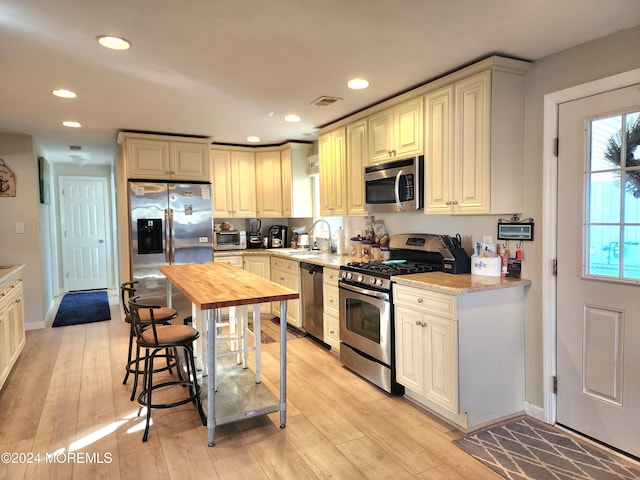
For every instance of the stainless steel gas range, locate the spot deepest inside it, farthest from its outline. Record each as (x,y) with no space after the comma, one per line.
(366,306)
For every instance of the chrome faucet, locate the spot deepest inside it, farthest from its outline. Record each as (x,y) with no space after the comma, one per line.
(328,248)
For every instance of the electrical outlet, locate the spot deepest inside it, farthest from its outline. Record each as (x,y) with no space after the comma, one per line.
(19,227)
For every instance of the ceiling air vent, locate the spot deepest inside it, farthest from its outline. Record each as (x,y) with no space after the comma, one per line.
(325,101)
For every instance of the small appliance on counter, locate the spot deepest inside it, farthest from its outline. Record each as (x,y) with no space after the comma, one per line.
(229,240)
(277,236)
(254,239)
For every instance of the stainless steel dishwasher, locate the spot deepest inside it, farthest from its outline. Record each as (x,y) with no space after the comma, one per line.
(311,286)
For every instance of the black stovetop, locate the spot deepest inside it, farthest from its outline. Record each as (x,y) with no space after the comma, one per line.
(392,267)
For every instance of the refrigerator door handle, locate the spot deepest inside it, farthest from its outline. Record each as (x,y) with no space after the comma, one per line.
(167,237)
(172,235)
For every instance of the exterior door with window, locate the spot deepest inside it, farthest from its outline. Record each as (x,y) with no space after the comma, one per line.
(84,233)
(598,296)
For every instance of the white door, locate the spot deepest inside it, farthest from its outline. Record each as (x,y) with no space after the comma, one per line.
(598,312)
(83,233)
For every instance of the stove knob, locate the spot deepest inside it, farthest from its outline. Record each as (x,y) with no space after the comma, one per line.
(379,282)
(373,281)
(348,275)
(360,278)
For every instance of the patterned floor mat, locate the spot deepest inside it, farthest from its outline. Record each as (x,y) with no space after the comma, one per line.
(529,450)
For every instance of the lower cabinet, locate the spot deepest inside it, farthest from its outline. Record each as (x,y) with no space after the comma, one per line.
(287,273)
(331,312)
(236,261)
(12,336)
(462,356)
(261,266)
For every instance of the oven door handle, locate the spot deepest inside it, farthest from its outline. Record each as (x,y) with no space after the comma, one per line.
(396,190)
(364,291)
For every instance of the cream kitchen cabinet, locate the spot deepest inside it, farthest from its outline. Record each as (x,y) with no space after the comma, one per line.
(233,182)
(357,158)
(462,356)
(474,131)
(261,266)
(297,199)
(396,132)
(12,335)
(331,308)
(287,273)
(152,157)
(333,173)
(268,184)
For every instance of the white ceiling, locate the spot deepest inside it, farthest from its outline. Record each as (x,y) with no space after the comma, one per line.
(219,68)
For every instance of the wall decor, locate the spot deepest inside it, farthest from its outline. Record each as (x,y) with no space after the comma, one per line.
(7,181)
(43,175)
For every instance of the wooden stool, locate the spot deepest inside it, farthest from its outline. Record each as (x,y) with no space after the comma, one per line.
(155,338)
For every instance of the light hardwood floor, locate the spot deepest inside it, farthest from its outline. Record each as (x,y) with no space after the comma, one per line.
(66,395)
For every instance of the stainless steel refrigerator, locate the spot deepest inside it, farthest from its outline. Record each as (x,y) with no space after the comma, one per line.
(170,223)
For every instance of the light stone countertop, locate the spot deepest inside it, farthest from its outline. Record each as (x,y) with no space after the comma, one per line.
(6,273)
(458,284)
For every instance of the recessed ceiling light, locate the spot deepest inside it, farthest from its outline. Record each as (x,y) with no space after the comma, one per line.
(64,93)
(357,83)
(253,139)
(292,117)
(71,124)
(115,43)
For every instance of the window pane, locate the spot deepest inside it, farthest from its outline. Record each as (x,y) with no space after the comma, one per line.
(633,139)
(604,250)
(632,197)
(604,198)
(605,143)
(631,253)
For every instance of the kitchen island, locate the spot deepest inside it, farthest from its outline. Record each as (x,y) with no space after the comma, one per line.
(210,287)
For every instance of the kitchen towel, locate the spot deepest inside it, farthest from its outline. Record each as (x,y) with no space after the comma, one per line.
(82,307)
(530,450)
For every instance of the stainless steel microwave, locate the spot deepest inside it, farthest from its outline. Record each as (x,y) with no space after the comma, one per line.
(394,186)
(229,240)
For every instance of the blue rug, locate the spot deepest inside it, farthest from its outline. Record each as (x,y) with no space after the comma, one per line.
(82,307)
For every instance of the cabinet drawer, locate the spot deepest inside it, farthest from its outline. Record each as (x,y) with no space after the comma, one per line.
(425,300)
(331,276)
(331,331)
(330,300)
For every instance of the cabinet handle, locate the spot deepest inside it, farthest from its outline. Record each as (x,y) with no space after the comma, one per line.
(420,300)
(424,324)
(418,322)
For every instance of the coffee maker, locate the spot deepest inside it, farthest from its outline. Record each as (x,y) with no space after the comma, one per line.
(254,238)
(277,236)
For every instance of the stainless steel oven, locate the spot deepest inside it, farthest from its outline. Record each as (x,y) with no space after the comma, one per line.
(366,333)
(367,337)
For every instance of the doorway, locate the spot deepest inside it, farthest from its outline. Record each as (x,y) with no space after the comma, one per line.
(598,268)
(84,239)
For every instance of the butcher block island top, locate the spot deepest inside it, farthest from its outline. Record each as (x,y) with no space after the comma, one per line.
(215,285)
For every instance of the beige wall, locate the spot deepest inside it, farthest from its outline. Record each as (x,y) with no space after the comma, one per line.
(19,155)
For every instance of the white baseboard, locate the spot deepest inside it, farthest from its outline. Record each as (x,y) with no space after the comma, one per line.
(34,326)
(534,411)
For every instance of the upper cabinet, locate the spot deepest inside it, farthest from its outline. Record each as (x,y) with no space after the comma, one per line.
(333,176)
(268,184)
(396,132)
(469,125)
(474,131)
(233,183)
(297,198)
(159,157)
(262,181)
(357,158)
